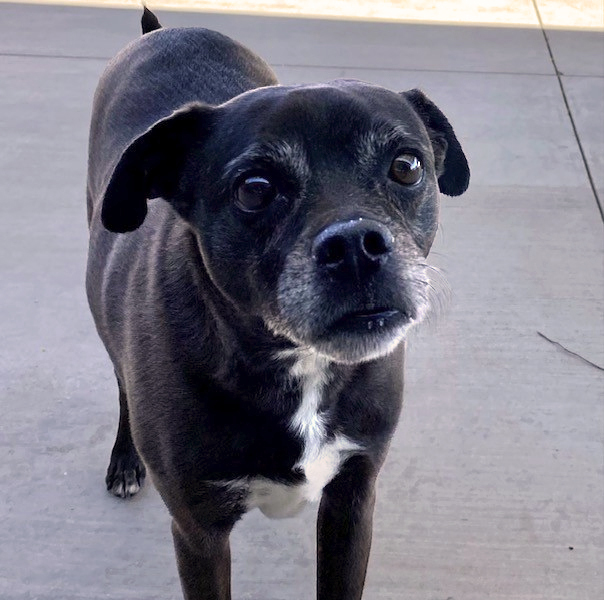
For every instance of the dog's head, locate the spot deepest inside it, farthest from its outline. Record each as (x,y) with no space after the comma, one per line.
(314,207)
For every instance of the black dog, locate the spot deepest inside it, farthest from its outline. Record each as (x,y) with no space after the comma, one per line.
(256,313)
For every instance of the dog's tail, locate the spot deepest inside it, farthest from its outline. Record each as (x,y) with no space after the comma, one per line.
(149,21)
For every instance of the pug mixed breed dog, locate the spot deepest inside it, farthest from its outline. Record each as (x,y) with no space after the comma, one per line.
(257,257)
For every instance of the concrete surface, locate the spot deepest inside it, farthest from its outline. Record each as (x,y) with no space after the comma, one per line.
(494,487)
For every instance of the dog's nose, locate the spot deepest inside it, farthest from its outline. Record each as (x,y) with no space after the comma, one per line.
(363,245)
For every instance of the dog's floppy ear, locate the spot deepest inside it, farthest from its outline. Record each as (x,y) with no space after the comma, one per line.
(451,164)
(151,167)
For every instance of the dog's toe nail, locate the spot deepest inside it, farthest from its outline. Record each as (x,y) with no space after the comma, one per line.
(117,489)
(131,482)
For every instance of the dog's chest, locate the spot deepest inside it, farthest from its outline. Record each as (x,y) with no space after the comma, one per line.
(321,456)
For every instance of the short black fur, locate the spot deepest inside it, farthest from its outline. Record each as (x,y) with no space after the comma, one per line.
(257,351)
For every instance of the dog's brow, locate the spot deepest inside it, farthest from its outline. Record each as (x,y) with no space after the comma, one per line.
(384,135)
(283,155)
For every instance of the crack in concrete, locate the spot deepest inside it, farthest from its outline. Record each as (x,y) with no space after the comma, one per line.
(569,112)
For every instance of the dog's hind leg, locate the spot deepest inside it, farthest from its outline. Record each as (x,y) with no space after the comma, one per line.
(126,471)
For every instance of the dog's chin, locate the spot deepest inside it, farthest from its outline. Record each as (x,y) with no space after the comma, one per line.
(354,338)
(361,338)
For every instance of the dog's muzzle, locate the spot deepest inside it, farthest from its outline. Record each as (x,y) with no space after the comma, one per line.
(352,295)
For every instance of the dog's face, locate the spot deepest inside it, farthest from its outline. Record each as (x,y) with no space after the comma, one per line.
(314,207)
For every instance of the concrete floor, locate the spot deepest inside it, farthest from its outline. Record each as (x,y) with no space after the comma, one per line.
(494,487)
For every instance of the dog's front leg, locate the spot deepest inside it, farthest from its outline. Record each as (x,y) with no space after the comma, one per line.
(204,562)
(344,530)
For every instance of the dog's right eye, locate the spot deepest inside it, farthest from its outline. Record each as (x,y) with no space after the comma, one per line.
(254,194)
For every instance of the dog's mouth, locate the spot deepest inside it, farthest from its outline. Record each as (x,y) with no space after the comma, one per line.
(362,335)
(350,321)
(370,321)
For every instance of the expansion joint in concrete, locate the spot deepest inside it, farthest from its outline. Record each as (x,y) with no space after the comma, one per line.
(592,184)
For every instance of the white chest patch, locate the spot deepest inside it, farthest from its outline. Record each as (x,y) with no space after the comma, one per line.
(321,458)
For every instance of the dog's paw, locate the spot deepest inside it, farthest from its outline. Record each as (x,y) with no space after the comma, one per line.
(126,474)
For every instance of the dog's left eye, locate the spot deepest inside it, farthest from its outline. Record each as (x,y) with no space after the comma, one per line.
(255,193)
(406,169)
